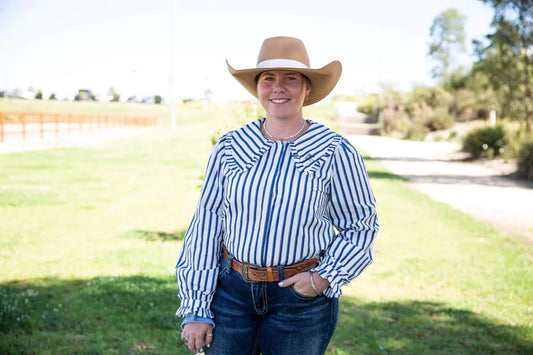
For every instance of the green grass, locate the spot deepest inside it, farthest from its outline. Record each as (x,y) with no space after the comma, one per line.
(89,238)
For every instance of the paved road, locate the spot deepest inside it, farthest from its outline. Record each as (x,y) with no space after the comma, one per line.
(478,189)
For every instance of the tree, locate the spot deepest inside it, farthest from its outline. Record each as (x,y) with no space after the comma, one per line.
(115,97)
(507,58)
(447,42)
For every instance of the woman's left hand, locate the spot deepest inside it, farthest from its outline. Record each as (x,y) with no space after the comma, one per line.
(302,283)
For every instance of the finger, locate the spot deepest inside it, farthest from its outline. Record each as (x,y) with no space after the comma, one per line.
(292,280)
(208,339)
(199,343)
(190,345)
(289,281)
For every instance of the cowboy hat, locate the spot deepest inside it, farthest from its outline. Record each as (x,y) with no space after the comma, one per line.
(289,53)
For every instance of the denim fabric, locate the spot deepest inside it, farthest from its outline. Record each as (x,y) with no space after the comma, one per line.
(261,317)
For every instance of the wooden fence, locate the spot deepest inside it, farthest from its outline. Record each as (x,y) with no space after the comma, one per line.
(25,123)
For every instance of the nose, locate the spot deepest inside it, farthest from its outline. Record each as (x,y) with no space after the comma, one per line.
(278,85)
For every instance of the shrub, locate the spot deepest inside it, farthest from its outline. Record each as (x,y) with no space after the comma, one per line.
(487,141)
(483,114)
(416,132)
(406,129)
(439,119)
(368,104)
(525,161)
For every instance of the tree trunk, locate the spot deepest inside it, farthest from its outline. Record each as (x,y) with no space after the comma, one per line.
(528,97)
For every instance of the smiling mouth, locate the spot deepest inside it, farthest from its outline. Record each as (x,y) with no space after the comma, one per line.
(279,101)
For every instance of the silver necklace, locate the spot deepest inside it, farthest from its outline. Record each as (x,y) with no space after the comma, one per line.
(284,138)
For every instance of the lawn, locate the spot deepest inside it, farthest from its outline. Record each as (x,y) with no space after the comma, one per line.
(89,238)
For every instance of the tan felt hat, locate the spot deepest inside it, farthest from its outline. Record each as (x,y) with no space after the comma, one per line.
(289,53)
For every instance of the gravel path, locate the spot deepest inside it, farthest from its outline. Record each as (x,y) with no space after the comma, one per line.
(480,189)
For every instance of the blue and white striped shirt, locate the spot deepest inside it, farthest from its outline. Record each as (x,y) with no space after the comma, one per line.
(277,203)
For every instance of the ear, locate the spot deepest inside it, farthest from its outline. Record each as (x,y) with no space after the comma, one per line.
(307,89)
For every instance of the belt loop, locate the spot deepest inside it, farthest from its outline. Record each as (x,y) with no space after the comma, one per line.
(270,274)
(281,272)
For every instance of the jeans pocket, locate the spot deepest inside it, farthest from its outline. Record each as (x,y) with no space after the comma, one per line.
(299,295)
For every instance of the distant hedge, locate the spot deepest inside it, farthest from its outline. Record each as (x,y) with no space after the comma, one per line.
(485,141)
(525,161)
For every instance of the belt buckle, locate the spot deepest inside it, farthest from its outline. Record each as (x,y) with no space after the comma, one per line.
(244,272)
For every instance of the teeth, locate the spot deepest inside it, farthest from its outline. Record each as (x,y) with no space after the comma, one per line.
(279,101)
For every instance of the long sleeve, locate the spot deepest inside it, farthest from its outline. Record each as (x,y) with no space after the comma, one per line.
(353,213)
(197,265)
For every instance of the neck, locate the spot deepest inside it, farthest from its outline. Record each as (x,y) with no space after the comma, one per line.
(284,130)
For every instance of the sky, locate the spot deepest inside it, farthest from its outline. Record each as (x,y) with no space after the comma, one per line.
(145,47)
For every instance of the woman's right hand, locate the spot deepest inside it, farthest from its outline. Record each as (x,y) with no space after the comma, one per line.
(197,335)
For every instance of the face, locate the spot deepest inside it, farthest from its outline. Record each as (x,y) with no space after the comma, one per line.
(282,93)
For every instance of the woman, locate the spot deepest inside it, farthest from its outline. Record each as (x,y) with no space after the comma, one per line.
(286,217)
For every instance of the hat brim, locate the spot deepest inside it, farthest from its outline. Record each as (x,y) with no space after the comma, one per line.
(323,80)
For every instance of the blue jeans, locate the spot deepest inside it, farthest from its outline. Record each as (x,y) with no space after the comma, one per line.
(261,317)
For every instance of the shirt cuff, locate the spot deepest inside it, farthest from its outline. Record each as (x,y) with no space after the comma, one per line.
(189,318)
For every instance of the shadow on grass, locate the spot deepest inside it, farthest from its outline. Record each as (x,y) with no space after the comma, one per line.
(379,173)
(415,327)
(135,314)
(384,175)
(153,236)
(122,315)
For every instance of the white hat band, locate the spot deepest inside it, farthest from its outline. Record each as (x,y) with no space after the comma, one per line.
(281,63)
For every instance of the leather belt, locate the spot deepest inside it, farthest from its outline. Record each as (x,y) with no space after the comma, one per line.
(254,273)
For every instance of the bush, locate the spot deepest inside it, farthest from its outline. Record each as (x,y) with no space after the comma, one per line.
(368,104)
(416,132)
(525,161)
(486,141)
(439,119)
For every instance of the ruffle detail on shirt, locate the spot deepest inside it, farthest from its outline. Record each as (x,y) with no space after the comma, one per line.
(315,148)
(244,147)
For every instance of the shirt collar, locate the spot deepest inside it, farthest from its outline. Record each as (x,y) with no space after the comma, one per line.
(247,144)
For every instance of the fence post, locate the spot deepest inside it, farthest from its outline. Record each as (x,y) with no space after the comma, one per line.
(2,118)
(41,121)
(23,117)
(56,120)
